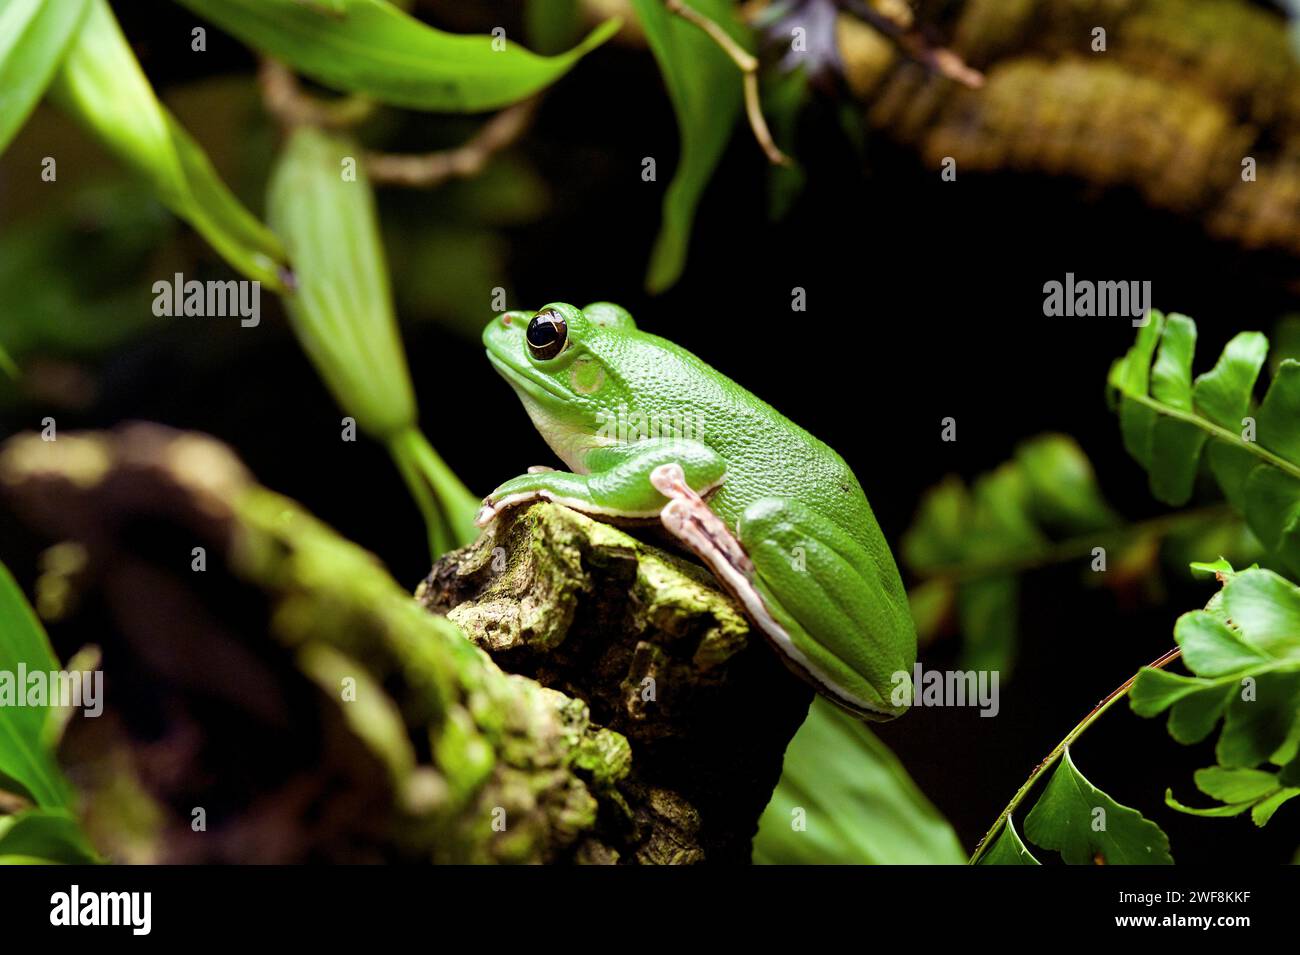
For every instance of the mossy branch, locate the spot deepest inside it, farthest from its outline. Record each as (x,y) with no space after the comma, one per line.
(271,674)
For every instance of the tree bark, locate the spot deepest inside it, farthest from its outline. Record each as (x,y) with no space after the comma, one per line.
(272,695)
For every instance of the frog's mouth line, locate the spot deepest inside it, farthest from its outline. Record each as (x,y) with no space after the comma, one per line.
(526,380)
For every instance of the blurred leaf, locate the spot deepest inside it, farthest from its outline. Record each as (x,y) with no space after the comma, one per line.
(930,603)
(1009,849)
(1286,342)
(24,756)
(1167,420)
(444,271)
(33,37)
(1245,657)
(507,192)
(341,310)
(859,804)
(1087,827)
(980,540)
(45,835)
(784,96)
(552,25)
(372,47)
(705,89)
(73,280)
(101,84)
(7,364)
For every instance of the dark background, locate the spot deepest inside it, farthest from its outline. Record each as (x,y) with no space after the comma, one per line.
(924,301)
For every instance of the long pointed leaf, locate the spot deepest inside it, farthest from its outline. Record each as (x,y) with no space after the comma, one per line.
(24,756)
(33,37)
(372,47)
(705,88)
(102,85)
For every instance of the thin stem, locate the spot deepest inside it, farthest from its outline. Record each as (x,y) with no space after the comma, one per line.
(1118,693)
(748,66)
(1217,431)
(456,502)
(465,161)
(1073,547)
(285,99)
(435,522)
(914,45)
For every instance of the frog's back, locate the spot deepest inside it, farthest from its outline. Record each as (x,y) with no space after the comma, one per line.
(767,455)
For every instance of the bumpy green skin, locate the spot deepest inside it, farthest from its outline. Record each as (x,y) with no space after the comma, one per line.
(617,403)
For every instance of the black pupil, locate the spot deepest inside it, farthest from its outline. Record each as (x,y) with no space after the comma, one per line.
(546,334)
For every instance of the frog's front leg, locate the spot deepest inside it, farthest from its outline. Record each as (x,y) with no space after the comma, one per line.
(836,611)
(618,483)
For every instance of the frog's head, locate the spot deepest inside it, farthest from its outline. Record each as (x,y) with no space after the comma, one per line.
(562,360)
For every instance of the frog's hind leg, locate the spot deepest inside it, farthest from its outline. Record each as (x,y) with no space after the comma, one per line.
(816,594)
(842,605)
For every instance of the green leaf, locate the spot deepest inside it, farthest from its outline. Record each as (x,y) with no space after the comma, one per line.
(552,25)
(1263,810)
(979,540)
(1086,826)
(341,310)
(1166,425)
(1223,393)
(33,37)
(705,89)
(1259,718)
(373,48)
(784,97)
(1009,849)
(1239,790)
(1212,648)
(101,85)
(988,612)
(1245,653)
(857,801)
(1209,812)
(47,835)
(25,758)
(1212,568)
(1265,609)
(1235,785)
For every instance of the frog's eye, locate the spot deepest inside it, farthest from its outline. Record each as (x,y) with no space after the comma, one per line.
(547,334)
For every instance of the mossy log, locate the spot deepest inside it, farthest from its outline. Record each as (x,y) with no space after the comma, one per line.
(274,696)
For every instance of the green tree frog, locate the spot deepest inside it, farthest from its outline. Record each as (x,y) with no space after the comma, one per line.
(648,430)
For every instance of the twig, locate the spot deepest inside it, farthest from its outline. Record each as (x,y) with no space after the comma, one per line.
(1120,691)
(462,162)
(912,42)
(285,100)
(748,66)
